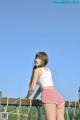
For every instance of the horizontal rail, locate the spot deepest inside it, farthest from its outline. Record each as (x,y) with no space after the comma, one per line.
(29,102)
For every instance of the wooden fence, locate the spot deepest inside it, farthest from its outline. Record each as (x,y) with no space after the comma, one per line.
(30,102)
(29,109)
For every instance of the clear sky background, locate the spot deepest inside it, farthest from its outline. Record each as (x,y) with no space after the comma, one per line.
(27,27)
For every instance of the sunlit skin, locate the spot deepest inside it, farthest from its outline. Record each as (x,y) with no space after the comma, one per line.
(37,73)
(38,61)
(52,112)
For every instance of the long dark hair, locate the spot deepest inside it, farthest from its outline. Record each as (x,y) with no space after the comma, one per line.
(44,57)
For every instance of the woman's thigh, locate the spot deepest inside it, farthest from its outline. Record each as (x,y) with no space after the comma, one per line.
(60,112)
(50,111)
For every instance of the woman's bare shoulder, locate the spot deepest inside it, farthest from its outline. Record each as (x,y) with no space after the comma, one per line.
(38,71)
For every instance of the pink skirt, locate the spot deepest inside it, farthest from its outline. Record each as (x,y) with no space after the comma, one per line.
(50,95)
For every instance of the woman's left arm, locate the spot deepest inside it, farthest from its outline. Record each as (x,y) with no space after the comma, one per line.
(33,83)
(37,93)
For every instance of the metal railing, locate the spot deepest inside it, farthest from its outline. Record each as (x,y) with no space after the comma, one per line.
(33,109)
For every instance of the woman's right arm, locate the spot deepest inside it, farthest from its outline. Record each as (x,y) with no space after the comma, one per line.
(33,83)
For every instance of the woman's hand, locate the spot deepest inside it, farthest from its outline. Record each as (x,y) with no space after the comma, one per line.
(29,93)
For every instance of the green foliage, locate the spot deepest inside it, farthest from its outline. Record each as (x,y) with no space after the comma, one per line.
(77,117)
(72,114)
(67,117)
(37,113)
(12,117)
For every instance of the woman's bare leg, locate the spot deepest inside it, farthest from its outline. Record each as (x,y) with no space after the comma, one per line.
(60,112)
(50,111)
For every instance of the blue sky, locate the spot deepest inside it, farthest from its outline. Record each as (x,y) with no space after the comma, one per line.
(27,27)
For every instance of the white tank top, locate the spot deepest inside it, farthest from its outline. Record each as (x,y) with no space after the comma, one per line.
(45,79)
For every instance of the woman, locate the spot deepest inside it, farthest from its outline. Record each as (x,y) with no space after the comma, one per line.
(52,101)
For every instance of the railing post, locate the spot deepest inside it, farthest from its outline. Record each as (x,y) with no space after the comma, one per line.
(38,108)
(0,103)
(0,99)
(79,94)
(39,116)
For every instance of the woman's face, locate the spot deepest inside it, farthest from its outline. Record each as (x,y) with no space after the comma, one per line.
(38,61)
